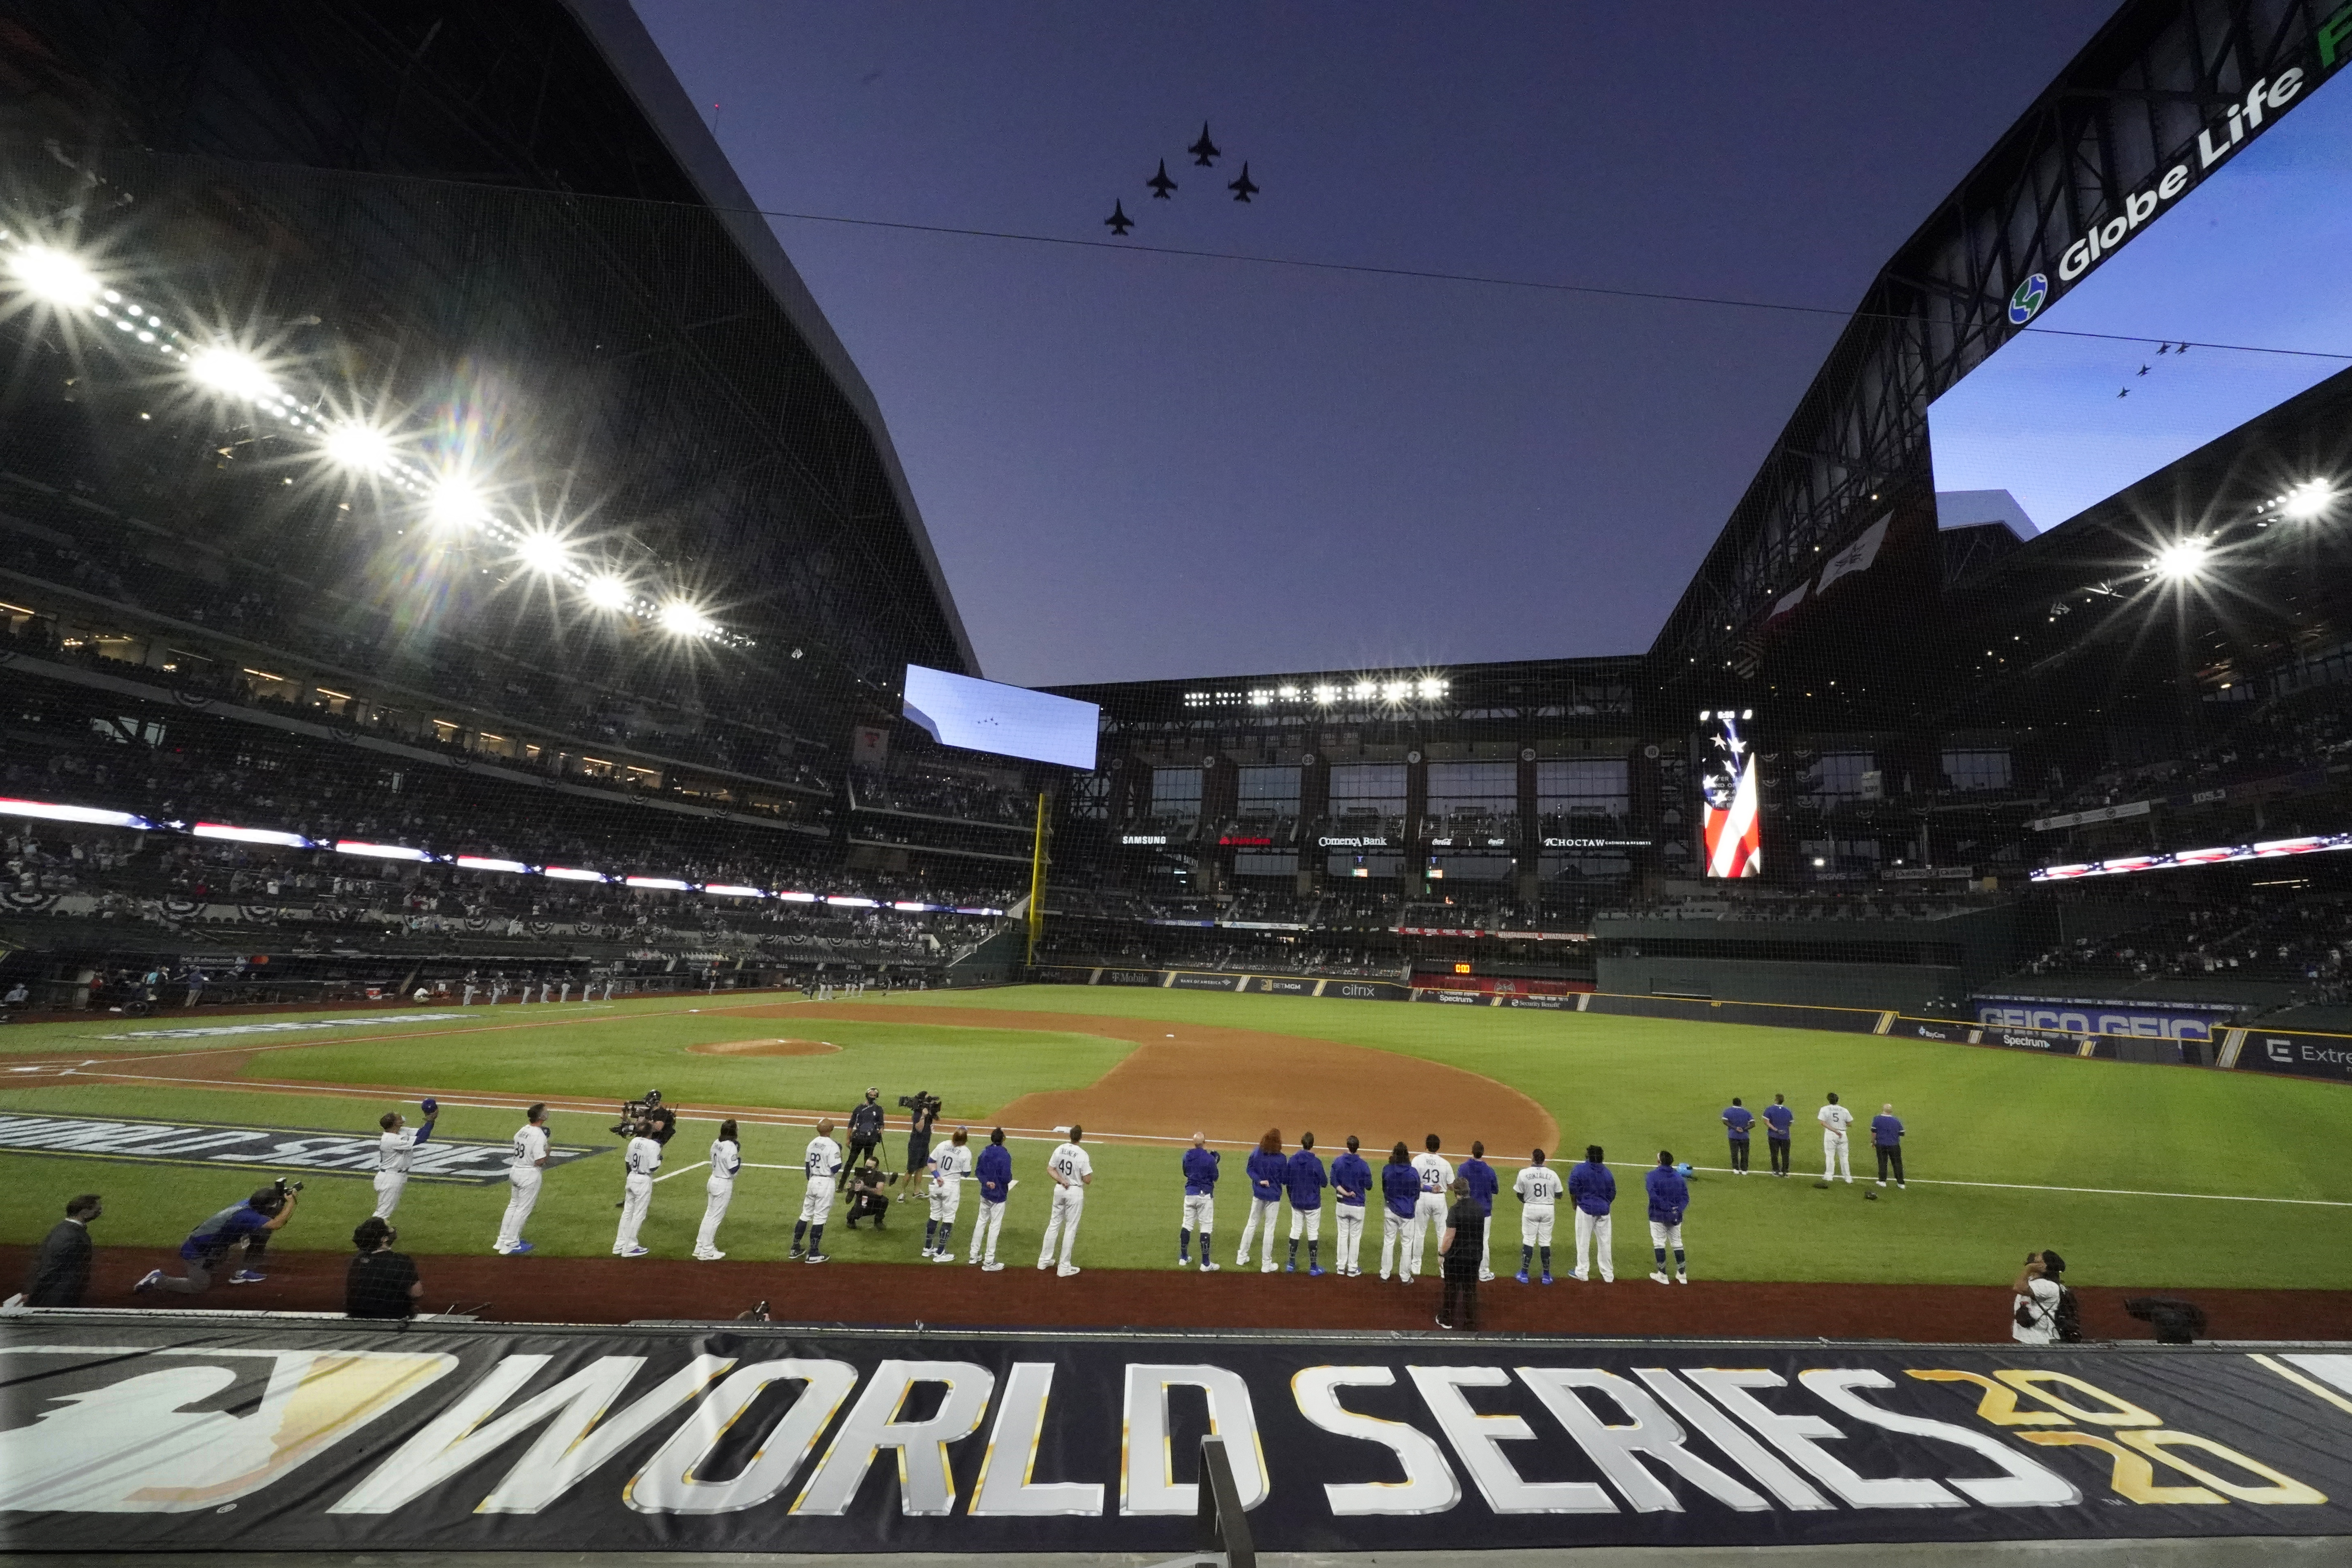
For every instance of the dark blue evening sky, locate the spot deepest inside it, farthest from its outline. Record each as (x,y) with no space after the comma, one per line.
(1138,466)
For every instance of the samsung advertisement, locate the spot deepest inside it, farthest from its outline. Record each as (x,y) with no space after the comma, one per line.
(2163,324)
(1004,721)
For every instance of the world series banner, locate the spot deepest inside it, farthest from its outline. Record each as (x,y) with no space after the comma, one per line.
(123,1434)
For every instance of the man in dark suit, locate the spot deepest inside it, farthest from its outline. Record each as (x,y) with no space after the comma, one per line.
(61,1269)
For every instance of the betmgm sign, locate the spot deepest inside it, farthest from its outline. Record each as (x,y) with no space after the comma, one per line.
(236,1438)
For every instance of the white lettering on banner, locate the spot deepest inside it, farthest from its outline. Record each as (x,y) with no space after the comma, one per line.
(1010,1487)
(926,1480)
(1800,1438)
(1429,1486)
(208,1031)
(1744,1450)
(668,1483)
(137,1447)
(572,1410)
(2060,1021)
(452,1159)
(1147,1483)
(2029,1485)
(1619,1450)
(1478,1442)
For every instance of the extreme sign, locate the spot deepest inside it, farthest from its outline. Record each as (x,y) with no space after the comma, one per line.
(117,1437)
(267,1148)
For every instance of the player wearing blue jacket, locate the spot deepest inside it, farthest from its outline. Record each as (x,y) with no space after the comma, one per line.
(1592,1187)
(994,1172)
(1401,1206)
(1200,1204)
(1778,1120)
(1887,1141)
(1669,1196)
(1738,1121)
(1267,1170)
(1351,1178)
(1484,1186)
(1304,1178)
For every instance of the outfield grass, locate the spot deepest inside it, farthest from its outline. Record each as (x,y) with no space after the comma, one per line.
(2026,1124)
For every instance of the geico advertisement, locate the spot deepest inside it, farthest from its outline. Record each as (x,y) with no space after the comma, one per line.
(235,1439)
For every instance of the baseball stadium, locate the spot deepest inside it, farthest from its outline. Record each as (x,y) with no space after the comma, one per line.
(550,1007)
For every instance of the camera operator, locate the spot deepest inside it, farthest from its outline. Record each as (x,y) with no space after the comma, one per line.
(2042,1311)
(923,1112)
(865,1129)
(868,1197)
(251,1223)
(648,1109)
(381,1283)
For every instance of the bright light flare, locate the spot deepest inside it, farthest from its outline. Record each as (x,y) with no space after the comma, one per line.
(53,277)
(606,592)
(544,553)
(457,501)
(681,619)
(2182,561)
(249,835)
(379,851)
(2307,500)
(232,373)
(362,447)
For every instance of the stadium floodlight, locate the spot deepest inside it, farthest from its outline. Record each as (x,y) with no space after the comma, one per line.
(485,863)
(606,592)
(544,553)
(1431,688)
(249,835)
(237,374)
(456,499)
(2182,561)
(1326,695)
(45,811)
(379,851)
(681,619)
(729,891)
(1364,691)
(659,884)
(54,276)
(362,447)
(2307,500)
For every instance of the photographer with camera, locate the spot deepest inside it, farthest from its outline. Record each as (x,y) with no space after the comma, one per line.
(867,1199)
(381,1283)
(923,1111)
(650,1110)
(250,1224)
(2043,1310)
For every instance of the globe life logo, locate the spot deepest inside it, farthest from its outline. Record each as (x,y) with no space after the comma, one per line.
(2028,299)
(2266,97)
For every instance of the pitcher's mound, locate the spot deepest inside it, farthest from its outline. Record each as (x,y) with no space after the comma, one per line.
(766,1048)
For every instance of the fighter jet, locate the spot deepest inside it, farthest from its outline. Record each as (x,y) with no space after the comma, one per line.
(1160,183)
(1119,222)
(1242,188)
(1205,151)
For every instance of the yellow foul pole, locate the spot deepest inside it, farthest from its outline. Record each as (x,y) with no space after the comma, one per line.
(1037,883)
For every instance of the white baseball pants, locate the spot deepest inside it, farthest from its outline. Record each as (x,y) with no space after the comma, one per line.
(1351,1236)
(1063,1218)
(524,1182)
(1259,1209)
(1834,1160)
(818,1202)
(1428,1210)
(945,1200)
(1397,1231)
(1201,1217)
(721,1191)
(985,1233)
(636,1192)
(388,1187)
(1535,1224)
(1310,1221)
(1593,1230)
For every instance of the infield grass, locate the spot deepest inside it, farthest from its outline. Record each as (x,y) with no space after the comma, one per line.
(2028,1126)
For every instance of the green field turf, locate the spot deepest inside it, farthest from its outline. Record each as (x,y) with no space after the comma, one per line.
(2026,1126)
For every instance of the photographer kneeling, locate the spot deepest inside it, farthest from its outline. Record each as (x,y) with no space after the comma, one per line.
(867,1195)
(250,1223)
(381,1283)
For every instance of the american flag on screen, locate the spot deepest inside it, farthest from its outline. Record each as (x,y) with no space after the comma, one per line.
(1732,808)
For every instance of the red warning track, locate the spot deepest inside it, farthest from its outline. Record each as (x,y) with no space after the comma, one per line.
(609,1291)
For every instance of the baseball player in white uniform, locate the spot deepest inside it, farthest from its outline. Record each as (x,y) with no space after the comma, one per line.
(1835,1162)
(1538,1190)
(949,1167)
(640,1161)
(393,1151)
(523,1172)
(821,1165)
(725,1159)
(1437,1176)
(1071,1170)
